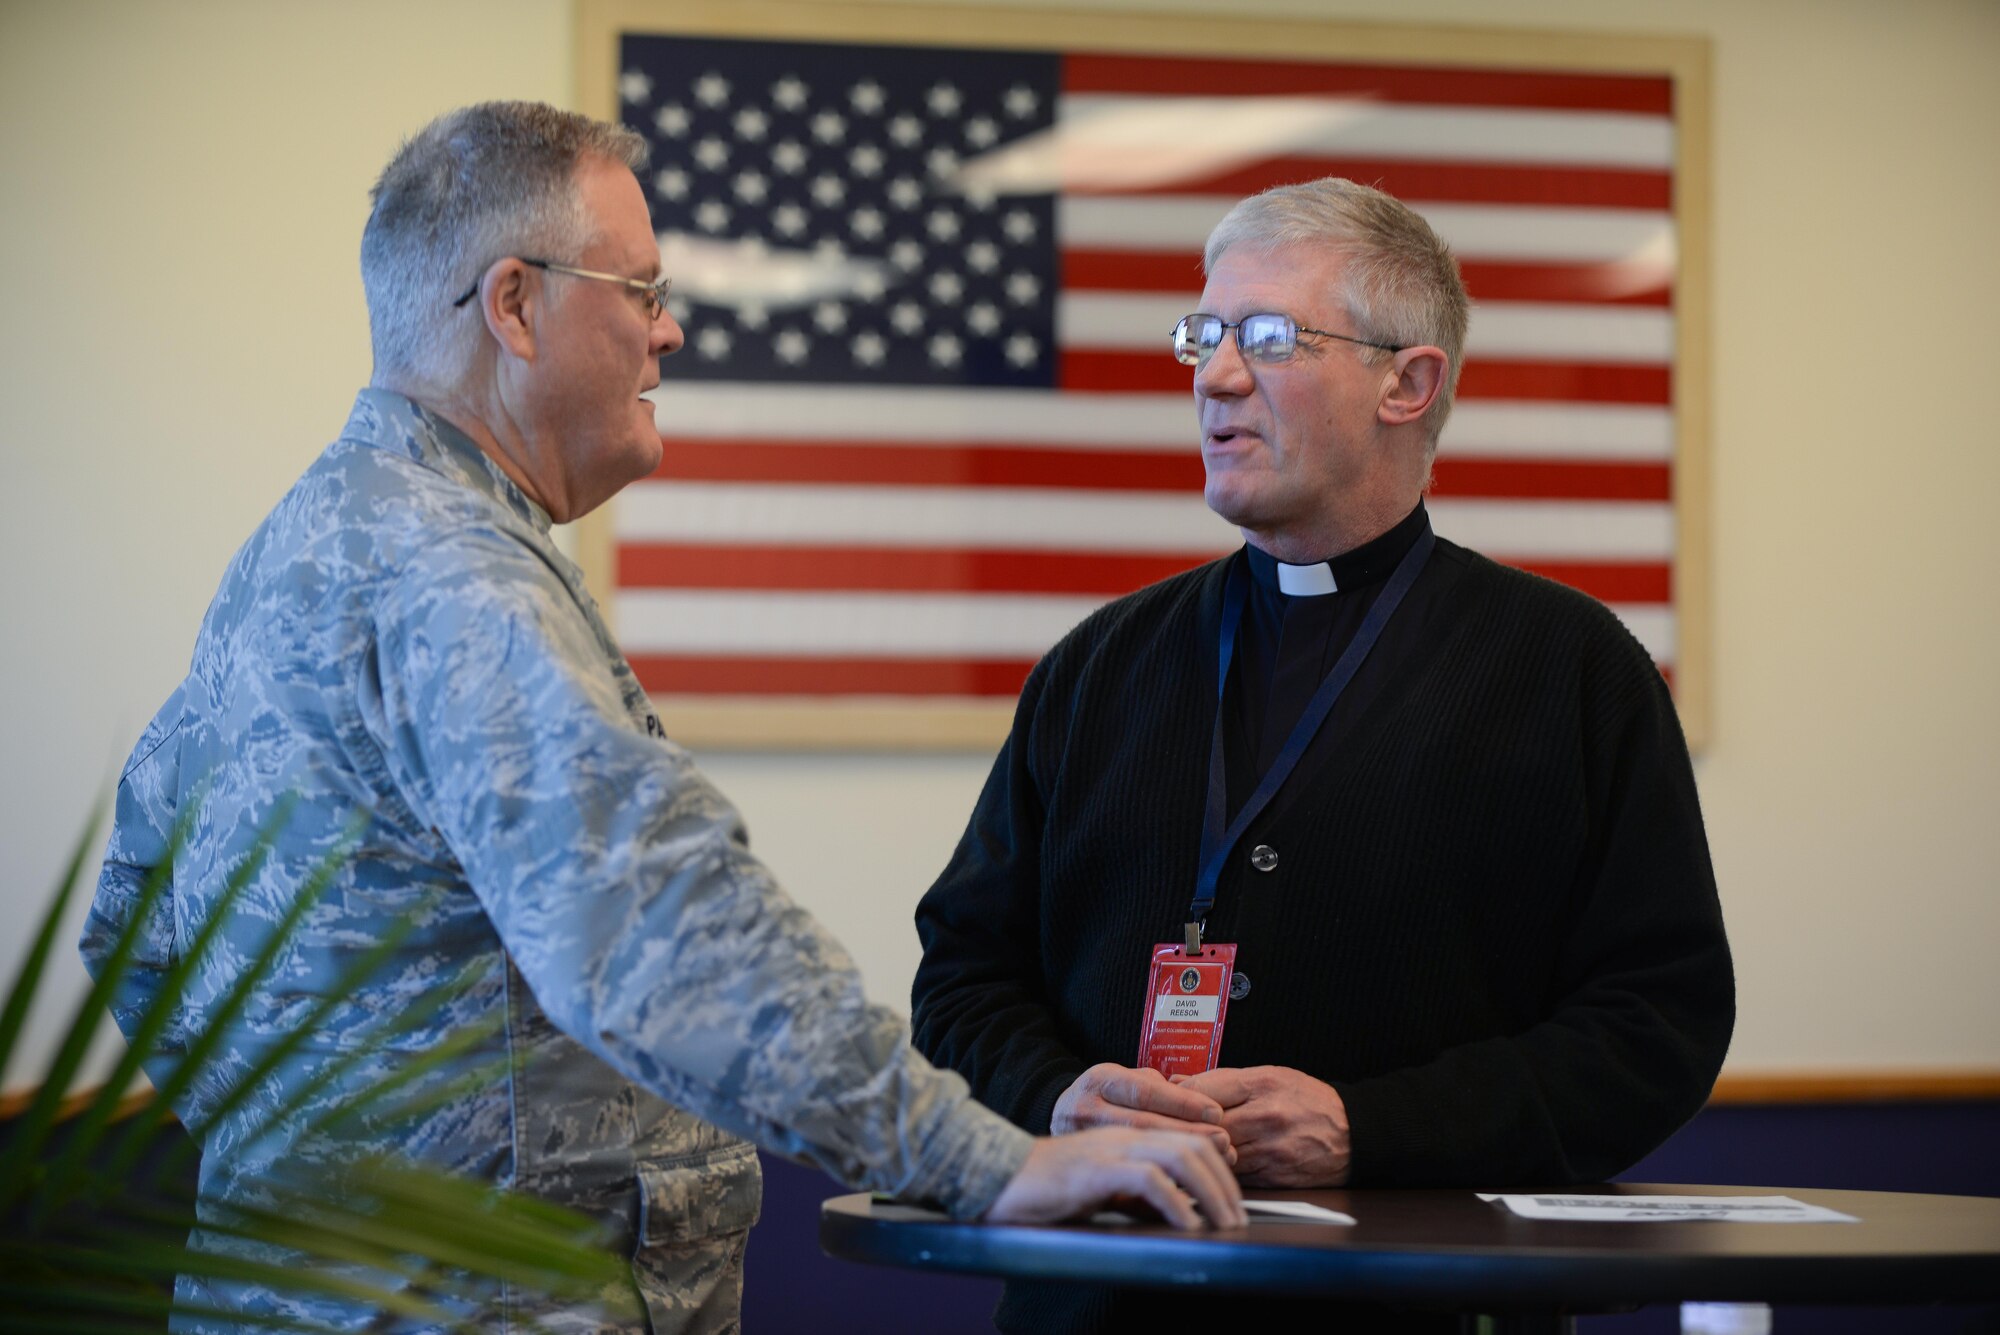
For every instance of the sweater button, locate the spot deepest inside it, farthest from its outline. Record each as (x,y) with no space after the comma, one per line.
(1264,857)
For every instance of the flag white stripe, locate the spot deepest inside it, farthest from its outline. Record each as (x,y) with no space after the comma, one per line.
(1139,322)
(926,416)
(1252,128)
(1175,223)
(761,623)
(1033,519)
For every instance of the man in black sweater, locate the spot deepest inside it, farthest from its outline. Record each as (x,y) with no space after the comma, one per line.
(1441,808)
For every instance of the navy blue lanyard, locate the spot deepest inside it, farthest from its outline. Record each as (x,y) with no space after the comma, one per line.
(1217,841)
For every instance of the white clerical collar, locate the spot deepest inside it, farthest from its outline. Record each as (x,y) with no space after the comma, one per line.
(1306,581)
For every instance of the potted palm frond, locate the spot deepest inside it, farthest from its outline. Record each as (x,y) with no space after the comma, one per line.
(98,1210)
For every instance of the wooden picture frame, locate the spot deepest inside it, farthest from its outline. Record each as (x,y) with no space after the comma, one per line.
(719,718)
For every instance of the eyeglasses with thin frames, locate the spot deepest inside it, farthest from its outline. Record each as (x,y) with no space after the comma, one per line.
(654,293)
(1266,338)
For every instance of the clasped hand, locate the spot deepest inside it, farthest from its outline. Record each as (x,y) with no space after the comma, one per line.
(1278,1127)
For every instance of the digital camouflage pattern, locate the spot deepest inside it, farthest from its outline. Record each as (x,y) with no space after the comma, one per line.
(400,646)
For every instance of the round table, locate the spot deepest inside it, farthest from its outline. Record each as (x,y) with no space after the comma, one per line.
(1451,1249)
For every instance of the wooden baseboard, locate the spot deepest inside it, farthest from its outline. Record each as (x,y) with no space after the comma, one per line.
(1958,1085)
(1734,1089)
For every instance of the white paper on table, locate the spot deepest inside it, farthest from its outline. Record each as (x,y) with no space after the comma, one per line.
(1649,1209)
(1293,1212)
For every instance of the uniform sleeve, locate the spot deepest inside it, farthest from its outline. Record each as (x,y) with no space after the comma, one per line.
(621,885)
(979,1004)
(1642,1000)
(141,832)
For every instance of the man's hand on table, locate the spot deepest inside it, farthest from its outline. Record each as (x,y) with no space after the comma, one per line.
(1066,1176)
(1112,1095)
(1289,1129)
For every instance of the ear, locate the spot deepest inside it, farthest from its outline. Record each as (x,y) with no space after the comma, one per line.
(510,304)
(1416,379)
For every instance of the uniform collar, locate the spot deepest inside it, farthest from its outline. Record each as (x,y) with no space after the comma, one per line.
(387,420)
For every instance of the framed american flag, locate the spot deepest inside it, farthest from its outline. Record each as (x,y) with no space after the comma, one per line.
(927,260)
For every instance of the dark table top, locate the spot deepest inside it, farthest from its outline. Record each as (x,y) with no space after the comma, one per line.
(1450,1247)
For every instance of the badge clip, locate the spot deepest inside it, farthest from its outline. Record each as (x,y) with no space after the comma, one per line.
(1192,936)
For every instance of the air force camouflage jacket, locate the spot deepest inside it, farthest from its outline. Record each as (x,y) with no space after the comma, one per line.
(401,650)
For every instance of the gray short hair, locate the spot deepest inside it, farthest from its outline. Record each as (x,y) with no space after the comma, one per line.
(473,186)
(1400,282)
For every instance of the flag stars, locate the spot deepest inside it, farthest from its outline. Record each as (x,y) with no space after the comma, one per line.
(1022,351)
(907,255)
(867,97)
(1019,225)
(1020,102)
(829,250)
(711,215)
(946,350)
(981,197)
(830,316)
(983,319)
(907,317)
(791,346)
(946,287)
(867,160)
(906,131)
(982,256)
(752,316)
(828,190)
(789,219)
(712,343)
(711,90)
(672,183)
(905,193)
(869,284)
(981,132)
(866,223)
(869,348)
(672,120)
(789,157)
(943,225)
(942,162)
(944,100)
(829,127)
(752,124)
(789,93)
(711,154)
(634,86)
(751,187)
(1023,288)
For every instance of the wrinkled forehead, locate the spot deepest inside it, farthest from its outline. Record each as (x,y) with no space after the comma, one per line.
(1292,278)
(621,227)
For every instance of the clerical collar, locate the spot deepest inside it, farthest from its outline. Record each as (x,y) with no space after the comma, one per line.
(1367,564)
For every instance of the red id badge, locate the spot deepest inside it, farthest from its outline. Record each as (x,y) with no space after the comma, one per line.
(1186,1001)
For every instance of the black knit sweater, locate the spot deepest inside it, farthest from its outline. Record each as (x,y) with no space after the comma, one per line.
(1493,925)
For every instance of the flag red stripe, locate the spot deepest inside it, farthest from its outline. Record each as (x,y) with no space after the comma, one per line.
(690,674)
(1118,371)
(894,569)
(1553,479)
(997,465)
(1610,581)
(945,465)
(663,565)
(1436,86)
(1438,182)
(1180,271)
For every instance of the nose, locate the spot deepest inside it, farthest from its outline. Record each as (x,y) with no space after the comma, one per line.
(667,335)
(1226,374)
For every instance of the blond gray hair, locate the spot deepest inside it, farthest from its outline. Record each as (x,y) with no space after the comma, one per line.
(474,186)
(1399,283)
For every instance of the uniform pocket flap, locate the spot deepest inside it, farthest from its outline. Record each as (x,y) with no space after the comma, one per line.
(700,1198)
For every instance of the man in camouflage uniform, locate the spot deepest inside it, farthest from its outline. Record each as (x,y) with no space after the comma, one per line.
(400,649)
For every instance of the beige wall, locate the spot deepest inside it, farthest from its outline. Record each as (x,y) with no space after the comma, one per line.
(183,191)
